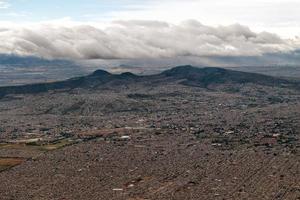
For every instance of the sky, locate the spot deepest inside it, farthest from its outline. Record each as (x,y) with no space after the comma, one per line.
(109,29)
(279,16)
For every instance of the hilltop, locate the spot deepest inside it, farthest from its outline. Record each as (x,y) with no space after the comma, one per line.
(189,75)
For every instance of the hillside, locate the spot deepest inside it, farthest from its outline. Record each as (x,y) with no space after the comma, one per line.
(192,76)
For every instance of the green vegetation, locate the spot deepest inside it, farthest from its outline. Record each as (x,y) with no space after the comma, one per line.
(6,163)
(57,145)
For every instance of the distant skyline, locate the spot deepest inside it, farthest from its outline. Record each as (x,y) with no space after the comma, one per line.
(132,29)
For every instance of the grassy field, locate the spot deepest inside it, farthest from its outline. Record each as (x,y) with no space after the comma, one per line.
(57,145)
(6,163)
(32,149)
(38,147)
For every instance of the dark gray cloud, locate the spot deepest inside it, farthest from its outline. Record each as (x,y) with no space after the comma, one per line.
(140,39)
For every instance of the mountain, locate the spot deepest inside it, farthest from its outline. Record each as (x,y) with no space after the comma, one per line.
(187,75)
(212,75)
(91,81)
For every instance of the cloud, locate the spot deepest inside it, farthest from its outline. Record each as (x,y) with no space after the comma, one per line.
(4,4)
(138,39)
(258,14)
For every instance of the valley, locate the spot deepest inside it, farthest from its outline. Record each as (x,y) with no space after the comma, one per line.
(187,133)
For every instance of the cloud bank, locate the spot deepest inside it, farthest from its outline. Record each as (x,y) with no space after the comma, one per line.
(139,39)
(4,4)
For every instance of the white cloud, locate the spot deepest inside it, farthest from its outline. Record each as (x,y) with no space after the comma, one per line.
(4,4)
(137,39)
(281,16)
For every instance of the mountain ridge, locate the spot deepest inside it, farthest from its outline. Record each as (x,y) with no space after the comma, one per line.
(187,74)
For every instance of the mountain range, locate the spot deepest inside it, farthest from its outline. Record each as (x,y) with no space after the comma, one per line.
(186,75)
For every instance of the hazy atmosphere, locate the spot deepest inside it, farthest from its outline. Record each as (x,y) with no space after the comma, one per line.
(149,100)
(96,29)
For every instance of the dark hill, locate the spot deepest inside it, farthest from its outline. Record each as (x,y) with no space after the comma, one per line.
(98,77)
(189,75)
(100,72)
(212,75)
